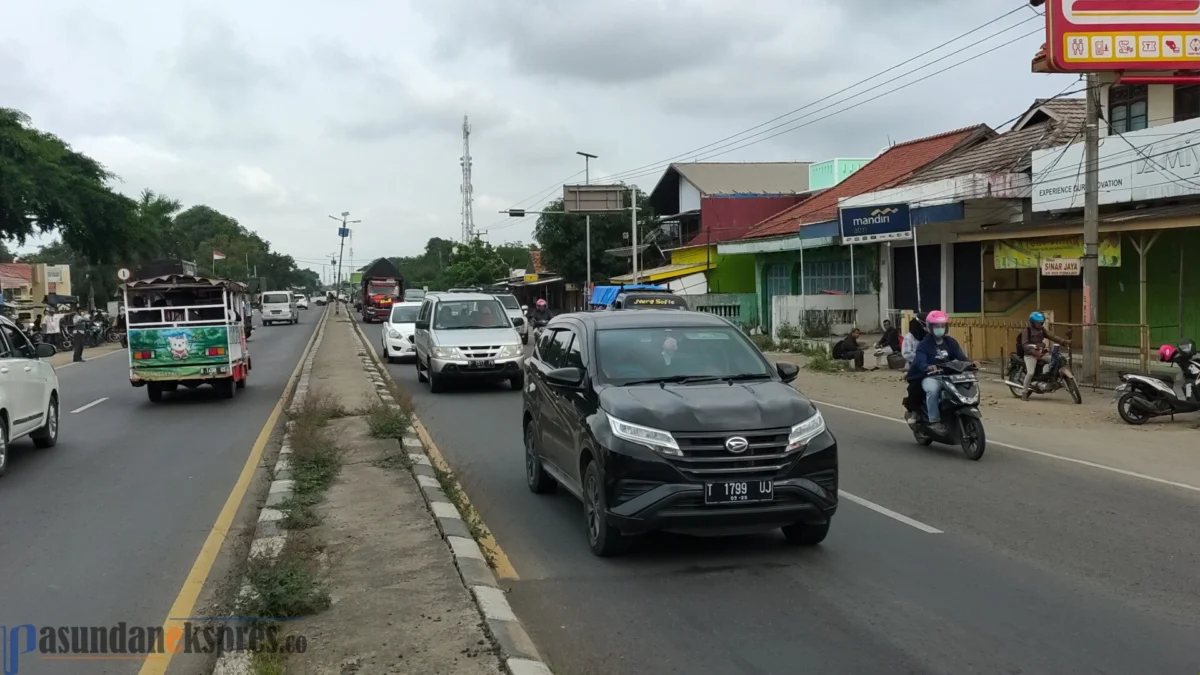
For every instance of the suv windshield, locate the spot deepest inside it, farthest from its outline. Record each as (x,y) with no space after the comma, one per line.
(404,314)
(637,355)
(276,299)
(509,301)
(455,314)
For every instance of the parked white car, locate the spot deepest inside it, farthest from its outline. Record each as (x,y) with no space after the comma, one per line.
(279,307)
(396,339)
(28,391)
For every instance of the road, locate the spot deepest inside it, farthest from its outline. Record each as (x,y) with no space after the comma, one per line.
(105,527)
(1016,564)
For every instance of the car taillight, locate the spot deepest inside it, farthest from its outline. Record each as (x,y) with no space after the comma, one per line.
(143,355)
(216,351)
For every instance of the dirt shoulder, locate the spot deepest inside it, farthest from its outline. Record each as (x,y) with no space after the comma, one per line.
(1090,431)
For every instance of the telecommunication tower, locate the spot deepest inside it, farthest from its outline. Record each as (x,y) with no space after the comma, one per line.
(468,215)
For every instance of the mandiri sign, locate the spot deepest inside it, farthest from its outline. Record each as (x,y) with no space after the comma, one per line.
(1117,35)
(864,224)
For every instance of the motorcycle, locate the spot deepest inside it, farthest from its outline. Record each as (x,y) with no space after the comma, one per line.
(538,327)
(1047,377)
(959,404)
(1142,396)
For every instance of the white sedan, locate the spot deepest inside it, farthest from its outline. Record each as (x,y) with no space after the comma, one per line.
(28,391)
(396,339)
(301,302)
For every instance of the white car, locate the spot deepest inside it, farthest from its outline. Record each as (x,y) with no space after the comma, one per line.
(279,307)
(301,302)
(28,391)
(516,314)
(397,341)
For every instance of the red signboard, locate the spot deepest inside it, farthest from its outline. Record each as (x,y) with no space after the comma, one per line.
(1123,35)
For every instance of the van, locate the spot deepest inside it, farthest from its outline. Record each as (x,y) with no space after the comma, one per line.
(279,307)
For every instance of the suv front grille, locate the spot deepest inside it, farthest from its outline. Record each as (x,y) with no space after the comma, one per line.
(705,456)
(480,352)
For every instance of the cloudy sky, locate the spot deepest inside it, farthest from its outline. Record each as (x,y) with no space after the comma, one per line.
(279,112)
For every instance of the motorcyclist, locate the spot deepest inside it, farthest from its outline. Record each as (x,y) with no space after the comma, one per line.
(1031,344)
(937,348)
(1183,356)
(541,315)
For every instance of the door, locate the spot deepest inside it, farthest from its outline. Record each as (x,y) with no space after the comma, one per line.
(573,407)
(25,390)
(904,277)
(421,335)
(552,349)
(968,273)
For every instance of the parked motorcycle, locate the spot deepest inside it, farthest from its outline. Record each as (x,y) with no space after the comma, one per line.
(959,404)
(1142,396)
(1047,377)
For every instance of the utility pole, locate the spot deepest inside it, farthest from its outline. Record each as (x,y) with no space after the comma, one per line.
(633,226)
(468,190)
(343,232)
(587,227)
(1091,232)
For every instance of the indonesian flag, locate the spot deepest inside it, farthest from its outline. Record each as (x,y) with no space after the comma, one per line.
(217,255)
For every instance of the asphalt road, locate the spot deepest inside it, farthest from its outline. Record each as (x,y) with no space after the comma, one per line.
(104,527)
(1039,566)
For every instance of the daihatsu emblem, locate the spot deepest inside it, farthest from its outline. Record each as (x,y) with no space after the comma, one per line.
(737,445)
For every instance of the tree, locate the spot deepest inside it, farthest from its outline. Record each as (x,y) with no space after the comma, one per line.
(475,264)
(561,238)
(6,256)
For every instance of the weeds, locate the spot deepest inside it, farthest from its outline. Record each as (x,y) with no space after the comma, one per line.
(387,421)
(474,523)
(284,588)
(763,342)
(314,462)
(821,362)
(268,663)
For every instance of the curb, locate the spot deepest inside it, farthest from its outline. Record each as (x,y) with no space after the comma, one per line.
(517,651)
(269,537)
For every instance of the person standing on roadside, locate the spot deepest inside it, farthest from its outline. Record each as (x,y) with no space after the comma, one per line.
(79,333)
(50,328)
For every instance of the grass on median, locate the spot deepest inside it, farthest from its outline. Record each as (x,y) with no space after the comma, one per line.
(821,362)
(454,492)
(287,587)
(314,462)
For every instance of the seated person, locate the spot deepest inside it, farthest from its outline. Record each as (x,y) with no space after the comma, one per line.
(484,318)
(849,350)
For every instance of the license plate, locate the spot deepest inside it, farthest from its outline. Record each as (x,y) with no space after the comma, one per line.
(739,491)
(276,311)
(481,364)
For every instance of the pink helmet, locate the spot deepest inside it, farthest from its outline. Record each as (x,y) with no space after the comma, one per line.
(1166,353)
(541,302)
(937,317)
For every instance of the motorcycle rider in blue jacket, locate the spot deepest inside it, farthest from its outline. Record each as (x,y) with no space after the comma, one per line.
(937,348)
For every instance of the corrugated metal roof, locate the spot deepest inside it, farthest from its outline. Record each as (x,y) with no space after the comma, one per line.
(760,178)
(17,271)
(889,169)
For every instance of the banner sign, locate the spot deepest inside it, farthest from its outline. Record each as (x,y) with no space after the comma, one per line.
(1061,267)
(864,224)
(1016,254)
(1117,35)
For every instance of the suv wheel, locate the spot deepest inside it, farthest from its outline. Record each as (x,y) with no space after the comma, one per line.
(517,383)
(47,436)
(806,534)
(3,445)
(604,539)
(536,478)
(435,381)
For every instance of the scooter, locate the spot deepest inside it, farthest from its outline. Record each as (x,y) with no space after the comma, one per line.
(959,404)
(1047,378)
(1141,397)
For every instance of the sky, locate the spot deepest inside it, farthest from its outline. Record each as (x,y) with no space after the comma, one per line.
(282,112)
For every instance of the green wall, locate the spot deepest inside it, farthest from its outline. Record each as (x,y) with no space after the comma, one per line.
(1120,290)
(865,257)
(732,274)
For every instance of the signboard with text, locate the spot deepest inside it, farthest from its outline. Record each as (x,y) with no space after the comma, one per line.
(1061,267)
(865,224)
(1016,254)
(1119,35)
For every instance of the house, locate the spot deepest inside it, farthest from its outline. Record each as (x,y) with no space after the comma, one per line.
(781,242)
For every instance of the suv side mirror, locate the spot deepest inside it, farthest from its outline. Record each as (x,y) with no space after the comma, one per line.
(45,351)
(524,308)
(421,325)
(787,371)
(565,377)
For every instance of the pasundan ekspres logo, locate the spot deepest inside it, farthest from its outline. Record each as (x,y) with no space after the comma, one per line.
(122,642)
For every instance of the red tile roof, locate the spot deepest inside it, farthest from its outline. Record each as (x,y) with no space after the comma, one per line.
(22,271)
(889,169)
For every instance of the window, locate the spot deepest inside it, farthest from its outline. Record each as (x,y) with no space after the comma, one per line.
(509,301)
(467,314)
(276,299)
(5,352)
(404,314)
(21,347)
(779,280)
(1187,102)
(834,275)
(554,347)
(1127,108)
(426,310)
(633,354)
(574,356)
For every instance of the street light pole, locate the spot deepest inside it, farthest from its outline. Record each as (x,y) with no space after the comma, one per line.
(343,231)
(633,226)
(587,227)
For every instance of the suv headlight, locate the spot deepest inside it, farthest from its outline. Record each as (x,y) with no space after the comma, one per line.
(657,440)
(805,431)
(394,334)
(509,351)
(447,352)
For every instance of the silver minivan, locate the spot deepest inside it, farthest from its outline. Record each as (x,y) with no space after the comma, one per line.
(467,336)
(279,307)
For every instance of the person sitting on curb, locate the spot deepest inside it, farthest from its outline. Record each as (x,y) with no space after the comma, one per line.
(888,344)
(849,350)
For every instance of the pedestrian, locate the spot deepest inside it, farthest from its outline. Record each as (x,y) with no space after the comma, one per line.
(849,349)
(37,324)
(50,328)
(79,333)
(888,344)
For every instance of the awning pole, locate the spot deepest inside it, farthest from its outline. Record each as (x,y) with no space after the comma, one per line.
(853,315)
(916,259)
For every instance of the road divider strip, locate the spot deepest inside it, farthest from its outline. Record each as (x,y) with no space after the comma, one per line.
(1040,453)
(517,651)
(269,534)
(93,404)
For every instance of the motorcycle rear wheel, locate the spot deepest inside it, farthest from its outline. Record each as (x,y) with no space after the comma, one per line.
(974,440)
(1073,387)
(1127,413)
(1016,375)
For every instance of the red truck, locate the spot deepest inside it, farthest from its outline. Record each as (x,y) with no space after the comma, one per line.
(382,285)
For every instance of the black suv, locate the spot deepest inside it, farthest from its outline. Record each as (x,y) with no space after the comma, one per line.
(673,420)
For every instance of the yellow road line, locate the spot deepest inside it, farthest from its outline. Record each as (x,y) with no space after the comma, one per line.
(503,566)
(185,602)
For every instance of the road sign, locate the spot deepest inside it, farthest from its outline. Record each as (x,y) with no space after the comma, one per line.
(123,274)
(883,222)
(1061,267)
(1119,35)
(343,232)
(596,198)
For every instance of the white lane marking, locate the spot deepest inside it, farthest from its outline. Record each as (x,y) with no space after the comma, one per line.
(72,363)
(928,529)
(1040,453)
(93,403)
